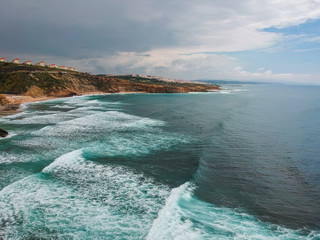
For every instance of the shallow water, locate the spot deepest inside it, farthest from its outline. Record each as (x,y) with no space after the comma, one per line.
(242,163)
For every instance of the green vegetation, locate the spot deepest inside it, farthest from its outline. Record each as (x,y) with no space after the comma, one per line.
(20,82)
(153,81)
(140,79)
(13,67)
(143,80)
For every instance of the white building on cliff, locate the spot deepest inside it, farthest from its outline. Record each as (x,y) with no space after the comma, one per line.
(53,66)
(16,61)
(41,64)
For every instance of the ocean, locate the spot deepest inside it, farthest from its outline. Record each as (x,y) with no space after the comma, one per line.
(240,163)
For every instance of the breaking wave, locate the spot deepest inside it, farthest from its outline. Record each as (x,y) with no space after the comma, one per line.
(184,216)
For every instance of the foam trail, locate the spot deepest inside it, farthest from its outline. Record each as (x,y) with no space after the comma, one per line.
(168,225)
(131,135)
(74,198)
(99,123)
(134,145)
(9,136)
(184,216)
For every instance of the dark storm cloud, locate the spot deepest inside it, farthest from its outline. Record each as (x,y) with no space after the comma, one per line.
(79,28)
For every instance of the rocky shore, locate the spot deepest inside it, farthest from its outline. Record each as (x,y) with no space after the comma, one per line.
(3,133)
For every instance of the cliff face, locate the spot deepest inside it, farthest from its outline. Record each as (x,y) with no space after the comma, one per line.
(61,84)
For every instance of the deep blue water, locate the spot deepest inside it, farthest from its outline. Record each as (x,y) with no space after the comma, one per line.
(241,163)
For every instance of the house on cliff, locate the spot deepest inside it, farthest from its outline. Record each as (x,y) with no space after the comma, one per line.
(41,64)
(2,59)
(16,61)
(28,62)
(63,67)
(53,66)
(72,69)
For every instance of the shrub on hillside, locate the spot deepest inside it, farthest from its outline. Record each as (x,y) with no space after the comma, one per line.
(3,100)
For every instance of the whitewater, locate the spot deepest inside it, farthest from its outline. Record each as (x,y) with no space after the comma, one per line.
(221,165)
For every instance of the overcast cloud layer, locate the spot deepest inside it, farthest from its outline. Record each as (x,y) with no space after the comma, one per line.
(182,39)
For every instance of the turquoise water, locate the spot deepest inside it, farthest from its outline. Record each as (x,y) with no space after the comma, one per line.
(242,163)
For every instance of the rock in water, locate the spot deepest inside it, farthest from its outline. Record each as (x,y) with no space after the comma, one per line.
(3,133)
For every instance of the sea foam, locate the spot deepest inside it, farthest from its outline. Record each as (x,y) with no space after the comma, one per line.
(80,199)
(184,216)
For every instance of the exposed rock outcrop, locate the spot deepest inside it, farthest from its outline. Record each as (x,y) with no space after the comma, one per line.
(3,133)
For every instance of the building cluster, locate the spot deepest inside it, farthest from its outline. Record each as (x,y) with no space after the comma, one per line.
(163,78)
(41,64)
(151,77)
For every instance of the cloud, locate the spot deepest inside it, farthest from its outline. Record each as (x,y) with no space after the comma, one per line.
(175,38)
(80,27)
(307,50)
(187,66)
(313,39)
(262,75)
(162,62)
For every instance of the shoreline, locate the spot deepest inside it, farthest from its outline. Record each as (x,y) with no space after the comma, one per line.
(9,109)
(16,100)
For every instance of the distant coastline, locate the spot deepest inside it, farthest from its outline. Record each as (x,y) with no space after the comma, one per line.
(21,83)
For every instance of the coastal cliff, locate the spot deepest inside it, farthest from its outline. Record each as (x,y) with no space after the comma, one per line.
(37,82)
(69,84)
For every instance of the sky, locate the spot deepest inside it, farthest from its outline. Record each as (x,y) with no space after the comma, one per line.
(247,40)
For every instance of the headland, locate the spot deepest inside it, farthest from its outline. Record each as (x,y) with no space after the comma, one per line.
(21,83)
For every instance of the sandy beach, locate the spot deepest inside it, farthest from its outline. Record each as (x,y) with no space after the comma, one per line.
(19,99)
(16,100)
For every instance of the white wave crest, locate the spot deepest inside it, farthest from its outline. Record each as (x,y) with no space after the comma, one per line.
(184,216)
(74,198)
